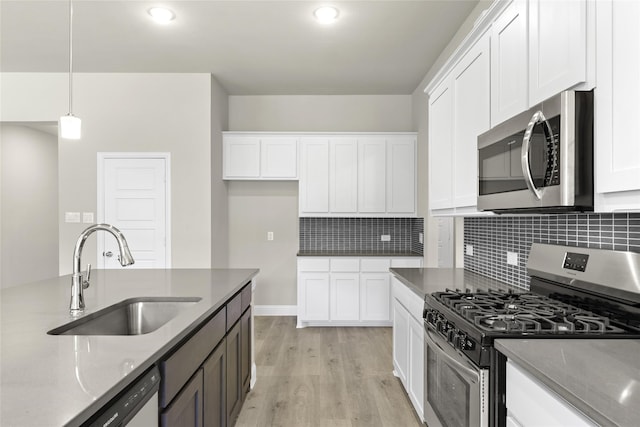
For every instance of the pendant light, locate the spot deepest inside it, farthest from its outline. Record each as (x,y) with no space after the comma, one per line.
(70,126)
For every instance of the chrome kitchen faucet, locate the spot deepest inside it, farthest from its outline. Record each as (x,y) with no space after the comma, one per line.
(78,285)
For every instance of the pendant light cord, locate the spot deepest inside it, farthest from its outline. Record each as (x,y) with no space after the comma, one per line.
(70,57)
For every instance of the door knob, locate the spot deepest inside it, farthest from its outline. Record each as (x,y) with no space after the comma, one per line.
(108,254)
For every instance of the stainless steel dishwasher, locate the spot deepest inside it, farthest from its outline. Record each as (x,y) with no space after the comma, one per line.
(136,406)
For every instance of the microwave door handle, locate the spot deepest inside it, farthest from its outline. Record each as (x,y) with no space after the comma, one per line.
(538,117)
(431,338)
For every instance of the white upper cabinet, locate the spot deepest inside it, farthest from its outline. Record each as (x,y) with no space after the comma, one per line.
(314,176)
(509,58)
(343,175)
(557,47)
(471,91)
(279,157)
(259,157)
(459,110)
(518,54)
(617,155)
(372,174)
(401,173)
(241,157)
(358,175)
(441,147)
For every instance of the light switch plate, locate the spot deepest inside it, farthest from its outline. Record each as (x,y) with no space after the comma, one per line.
(469,250)
(512,258)
(72,217)
(269,235)
(385,237)
(87,217)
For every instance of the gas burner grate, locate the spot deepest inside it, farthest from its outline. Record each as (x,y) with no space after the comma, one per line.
(523,313)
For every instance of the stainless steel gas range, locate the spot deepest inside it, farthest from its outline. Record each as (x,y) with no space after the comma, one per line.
(575,293)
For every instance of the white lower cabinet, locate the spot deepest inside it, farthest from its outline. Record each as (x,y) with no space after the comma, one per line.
(345,296)
(408,343)
(347,291)
(313,296)
(400,342)
(374,293)
(530,403)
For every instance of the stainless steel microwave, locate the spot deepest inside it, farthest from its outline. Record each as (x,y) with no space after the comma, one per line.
(540,160)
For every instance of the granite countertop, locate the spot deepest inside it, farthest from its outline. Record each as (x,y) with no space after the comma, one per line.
(325,253)
(599,377)
(424,281)
(62,380)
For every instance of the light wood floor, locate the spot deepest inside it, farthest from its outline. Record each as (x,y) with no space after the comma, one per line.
(324,377)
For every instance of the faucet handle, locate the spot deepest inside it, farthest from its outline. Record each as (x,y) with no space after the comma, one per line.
(85,283)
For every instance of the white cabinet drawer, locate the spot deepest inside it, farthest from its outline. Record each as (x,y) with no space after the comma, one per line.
(313,264)
(405,296)
(531,403)
(375,265)
(345,265)
(406,262)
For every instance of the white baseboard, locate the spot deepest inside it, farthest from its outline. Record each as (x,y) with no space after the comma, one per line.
(275,310)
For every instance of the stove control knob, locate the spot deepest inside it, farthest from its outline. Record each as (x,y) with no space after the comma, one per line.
(460,341)
(432,317)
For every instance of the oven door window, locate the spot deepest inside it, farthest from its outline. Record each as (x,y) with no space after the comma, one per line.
(500,166)
(448,393)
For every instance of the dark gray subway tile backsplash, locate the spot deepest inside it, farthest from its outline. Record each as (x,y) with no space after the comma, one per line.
(493,237)
(361,235)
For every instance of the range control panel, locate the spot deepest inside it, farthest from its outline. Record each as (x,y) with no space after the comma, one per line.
(575,261)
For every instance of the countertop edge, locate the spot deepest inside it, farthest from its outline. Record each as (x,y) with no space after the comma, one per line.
(330,254)
(121,385)
(502,346)
(408,283)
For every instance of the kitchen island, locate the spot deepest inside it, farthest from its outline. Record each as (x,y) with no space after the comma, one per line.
(49,380)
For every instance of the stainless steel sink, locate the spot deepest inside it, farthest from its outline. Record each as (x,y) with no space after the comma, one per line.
(134,316)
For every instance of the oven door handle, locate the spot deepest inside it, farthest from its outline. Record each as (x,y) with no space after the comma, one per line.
(538,117)
(453,358)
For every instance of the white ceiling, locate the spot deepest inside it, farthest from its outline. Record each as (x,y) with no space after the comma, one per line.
(252,47)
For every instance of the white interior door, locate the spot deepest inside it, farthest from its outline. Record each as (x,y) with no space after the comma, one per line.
(135,198)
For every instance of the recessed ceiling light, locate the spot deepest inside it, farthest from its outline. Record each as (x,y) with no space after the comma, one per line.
(326,14)
(162,15)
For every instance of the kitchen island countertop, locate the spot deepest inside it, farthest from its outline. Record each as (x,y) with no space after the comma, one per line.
(49,380)
(599,377)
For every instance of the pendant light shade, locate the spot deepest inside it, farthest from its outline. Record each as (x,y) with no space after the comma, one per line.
(70,126)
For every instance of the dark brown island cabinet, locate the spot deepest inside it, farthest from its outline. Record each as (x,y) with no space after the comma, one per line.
(206,378)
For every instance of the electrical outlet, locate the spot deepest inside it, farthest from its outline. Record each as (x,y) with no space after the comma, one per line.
(385,237)
(87,217)
(72,217)
(469,250)
(512,258)
(269,235)
(421,238)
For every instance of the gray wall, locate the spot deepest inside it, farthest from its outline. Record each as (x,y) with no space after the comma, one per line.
(258,207)
(219,196)
(421,125)
(126,112)
(29,193)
